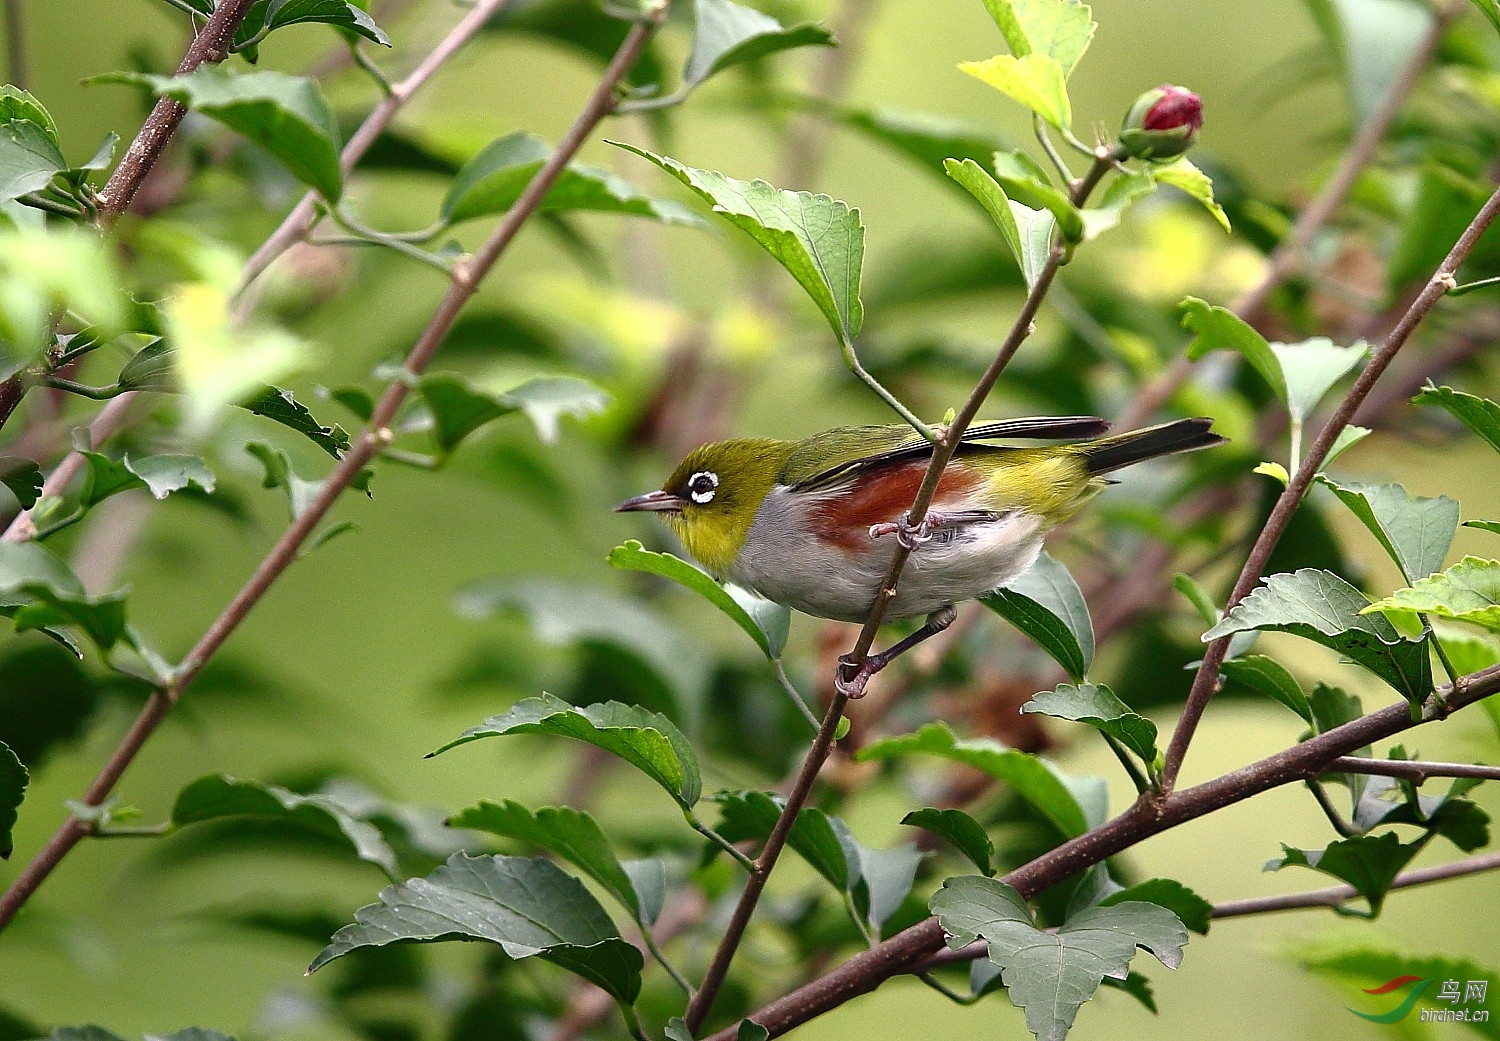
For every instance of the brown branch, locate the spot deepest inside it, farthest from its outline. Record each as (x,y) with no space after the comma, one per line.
(300,220)
(1335,895)
(1415,770)
(1205,682)
(868,969)
(15,43)
(108,420)
(377,435)
(1291,252)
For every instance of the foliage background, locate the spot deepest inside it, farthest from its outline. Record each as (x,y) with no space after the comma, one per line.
(353,655)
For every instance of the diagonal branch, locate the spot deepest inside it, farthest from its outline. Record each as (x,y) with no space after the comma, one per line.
(466,278)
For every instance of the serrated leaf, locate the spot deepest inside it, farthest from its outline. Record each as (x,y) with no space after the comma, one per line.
(37,591)
(1389,800)
(647,740)
(149,368)
(1320,606)
(527,907)
(1415,531)
(1035,80)
(819,240)
(1299,373)
(23,477)
(494,179)
(1191,909)
(1269,677)
(1051,974)
(278,405)
(270,15)
(1027,185)
(571,834)
(458,408)
(13,781)
(728,34)
(218,796)
(29,158)
(1469,591)
(16,103)
(1046,604)
(1073,804)
(965,833)
(752,815)
(300,492)
(286,115)
(978,182)
(161,475)
(1369,863)
(767,626)
(1480,415)
(1096,705)
(751,1031)
(1060,28)
(1184,176)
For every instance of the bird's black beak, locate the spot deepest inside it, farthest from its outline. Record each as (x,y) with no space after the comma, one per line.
(652,502)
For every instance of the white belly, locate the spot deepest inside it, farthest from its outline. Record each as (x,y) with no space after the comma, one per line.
(783,563)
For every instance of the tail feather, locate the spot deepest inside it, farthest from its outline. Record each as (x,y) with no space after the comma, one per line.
(1181,435)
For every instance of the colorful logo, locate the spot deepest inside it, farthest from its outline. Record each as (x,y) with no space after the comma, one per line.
(1402,1010)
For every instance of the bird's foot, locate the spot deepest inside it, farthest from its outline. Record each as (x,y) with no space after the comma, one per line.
(852,675)
(909,535)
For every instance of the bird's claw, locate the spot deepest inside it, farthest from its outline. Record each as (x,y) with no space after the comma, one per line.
(851,676)
(908,535)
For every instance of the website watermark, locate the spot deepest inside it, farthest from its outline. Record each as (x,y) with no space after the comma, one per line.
(1462,996)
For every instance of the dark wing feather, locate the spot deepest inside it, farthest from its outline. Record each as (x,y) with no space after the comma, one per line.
(843,451)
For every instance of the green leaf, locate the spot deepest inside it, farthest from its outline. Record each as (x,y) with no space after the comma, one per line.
(1036,81)
(1184,176)
(1268,676)
(1051,974)
(1198,597)
(16,103)
(978,182)
(149,368)
(648,878)
(161,475)
(1414,530)
(965,833)
(676,1030)
(1320,606)
(768,626)
(278,405)
(494,179)
(1045,603)
(270,15)
(1027,184)
(819,240)
(1369,863)
(218,796)
(646,740)
(13,781)
(1123,192)
(751,1031)
(300,492)
(728,34)
(928,140)
(37,591)
(1299,373)
(1073,804)
(1445,202)
(23,477)
(1059,28)
(1469,591)
(286,115)
(1096,705)
(1491,10)
(1388,800)
(1372,40)
(528,907)
(458,408)
(1493,527)
(571,834)
(1191,909)
(29,158)
(1480,415)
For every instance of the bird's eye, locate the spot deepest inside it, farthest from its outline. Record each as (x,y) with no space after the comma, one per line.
(701,486)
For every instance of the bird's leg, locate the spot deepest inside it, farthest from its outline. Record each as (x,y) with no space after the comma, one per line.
(913,535)
(851,677)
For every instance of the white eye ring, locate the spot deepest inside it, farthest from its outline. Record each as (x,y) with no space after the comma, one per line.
(702,495)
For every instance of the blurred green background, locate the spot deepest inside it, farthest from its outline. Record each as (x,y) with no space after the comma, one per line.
(362,638)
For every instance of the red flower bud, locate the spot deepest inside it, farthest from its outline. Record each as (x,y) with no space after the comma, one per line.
(1163,123)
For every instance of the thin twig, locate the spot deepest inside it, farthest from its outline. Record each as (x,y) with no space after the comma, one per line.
(1335,895)
(300,220)
(1416,770)
(1205,682)
(911,947)
(377,434)
(1291,252)
(15,43)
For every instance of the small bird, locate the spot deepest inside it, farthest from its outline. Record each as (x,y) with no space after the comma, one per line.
(805,523)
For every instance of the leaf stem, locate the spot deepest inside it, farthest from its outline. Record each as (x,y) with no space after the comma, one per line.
(1137,778)
(661,959)
(1417,771)
(696,823)
(1340,825)
(83,390)
(794,694)
(1053,154)
(851,359)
